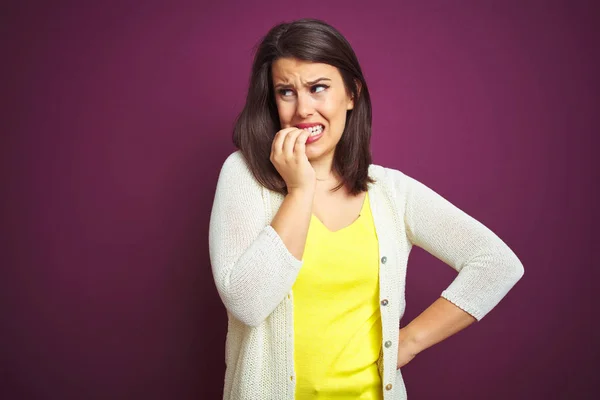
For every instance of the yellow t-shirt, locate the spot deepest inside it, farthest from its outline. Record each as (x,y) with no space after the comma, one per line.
(337,321)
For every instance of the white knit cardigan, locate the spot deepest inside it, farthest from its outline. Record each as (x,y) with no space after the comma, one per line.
(254,273)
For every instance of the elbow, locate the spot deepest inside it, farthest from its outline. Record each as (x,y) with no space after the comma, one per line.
(517,268)
(520,271)
(246,314)
(240,306)
(250,320)
(513,271)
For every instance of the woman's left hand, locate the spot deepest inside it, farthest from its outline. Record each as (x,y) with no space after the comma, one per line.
(407,349)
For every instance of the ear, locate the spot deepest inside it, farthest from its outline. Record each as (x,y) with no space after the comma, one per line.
(352,99)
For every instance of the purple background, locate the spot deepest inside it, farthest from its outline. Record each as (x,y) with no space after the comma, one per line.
(119,115)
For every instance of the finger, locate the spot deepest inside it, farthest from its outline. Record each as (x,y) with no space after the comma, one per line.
(290,141)
(300,146)
(280,137)
(277,146)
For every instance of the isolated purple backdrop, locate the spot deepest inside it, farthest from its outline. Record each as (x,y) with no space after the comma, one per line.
(120,115)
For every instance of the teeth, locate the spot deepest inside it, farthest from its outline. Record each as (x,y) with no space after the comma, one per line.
(315,130)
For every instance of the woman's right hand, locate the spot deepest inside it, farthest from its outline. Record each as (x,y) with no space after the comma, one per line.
(288,155)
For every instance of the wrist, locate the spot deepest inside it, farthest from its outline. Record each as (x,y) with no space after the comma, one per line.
(301,193)
(411,340)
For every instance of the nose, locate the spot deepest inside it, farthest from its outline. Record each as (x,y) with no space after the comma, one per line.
(304,107)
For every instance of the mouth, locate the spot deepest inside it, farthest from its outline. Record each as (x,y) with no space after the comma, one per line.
(315,132)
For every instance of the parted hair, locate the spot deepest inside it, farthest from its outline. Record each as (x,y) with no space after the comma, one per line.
(255,128)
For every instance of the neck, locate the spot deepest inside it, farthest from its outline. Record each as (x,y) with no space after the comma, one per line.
(324,172)
(323,169)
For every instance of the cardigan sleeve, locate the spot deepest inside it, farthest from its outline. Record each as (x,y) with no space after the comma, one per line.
(487,267)
(252,268)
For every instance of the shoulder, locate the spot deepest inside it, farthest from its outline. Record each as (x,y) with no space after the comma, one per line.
(235,172)
(235,166)
(389,177)
(235,160)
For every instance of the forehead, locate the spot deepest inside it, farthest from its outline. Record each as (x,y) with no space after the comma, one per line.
(290,69)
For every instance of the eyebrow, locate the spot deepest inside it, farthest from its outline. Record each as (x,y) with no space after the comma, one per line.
(287,85)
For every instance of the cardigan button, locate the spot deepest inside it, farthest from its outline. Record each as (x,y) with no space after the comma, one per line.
(383,259)
(388,386)
(384,302)
(388,344)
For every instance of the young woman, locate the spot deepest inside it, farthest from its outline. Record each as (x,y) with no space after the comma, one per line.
(309,240)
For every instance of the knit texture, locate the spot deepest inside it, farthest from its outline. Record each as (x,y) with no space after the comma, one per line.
(254,272)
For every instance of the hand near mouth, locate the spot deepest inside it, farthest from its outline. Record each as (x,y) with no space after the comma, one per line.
(288,155)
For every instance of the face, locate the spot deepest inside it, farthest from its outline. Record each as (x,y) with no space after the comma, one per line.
(311,94)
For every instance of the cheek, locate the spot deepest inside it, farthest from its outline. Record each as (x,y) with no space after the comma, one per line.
(285,111)
(334,111)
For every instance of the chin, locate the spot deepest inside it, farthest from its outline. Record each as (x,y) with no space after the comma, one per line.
(313,155)
(316,154)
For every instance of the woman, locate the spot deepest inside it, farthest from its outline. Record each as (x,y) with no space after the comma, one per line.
(309,240)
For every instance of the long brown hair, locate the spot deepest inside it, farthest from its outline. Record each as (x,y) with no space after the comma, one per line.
(315,41)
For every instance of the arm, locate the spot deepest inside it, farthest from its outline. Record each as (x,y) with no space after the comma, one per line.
(293,219)
(440,320)
(288,155)
(252,267)
(487,268)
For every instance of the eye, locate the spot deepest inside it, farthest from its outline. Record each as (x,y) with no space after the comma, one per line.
(282,92)
(323,87)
